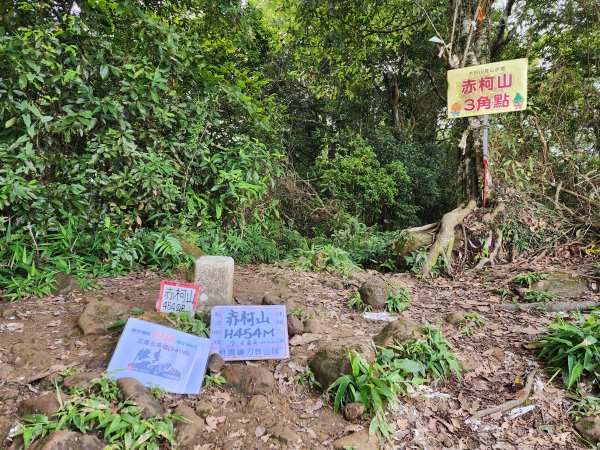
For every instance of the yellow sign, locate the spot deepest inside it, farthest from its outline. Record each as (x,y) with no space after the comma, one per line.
(487,89)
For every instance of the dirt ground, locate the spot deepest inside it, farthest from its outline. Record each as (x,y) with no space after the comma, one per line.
(37,334)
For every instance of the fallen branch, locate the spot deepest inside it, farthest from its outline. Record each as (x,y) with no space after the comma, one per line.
(507,406)
(52,370)
(444,241)
(552,306)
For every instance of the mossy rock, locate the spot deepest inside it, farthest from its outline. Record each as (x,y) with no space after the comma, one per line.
(332,360)
(191,250)
(409,243)
(401,330)
(563,285)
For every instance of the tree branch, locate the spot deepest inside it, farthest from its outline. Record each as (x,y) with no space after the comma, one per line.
(500,40)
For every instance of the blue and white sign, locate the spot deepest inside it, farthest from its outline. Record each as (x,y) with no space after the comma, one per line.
(156,355)
(249,332)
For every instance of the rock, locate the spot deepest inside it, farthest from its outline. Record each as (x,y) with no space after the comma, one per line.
(191,249)
(249,380)
(81,379)
(64,284)
(271,299)
(360,440)
(44,404)
(188,434)
(589,427)
(314,326)
(456,317)
(9,313)
(295,325)
(30,354)
(331,360)
(563,285)
(319,261)
(375,292)
(215,275)
(141,396)
(284,434)
(68,440)
(204,408)
(98,315)
(6,424)
(353,411)
(7,372)
(401,330)
(259,402)
(215,363)
(334,284)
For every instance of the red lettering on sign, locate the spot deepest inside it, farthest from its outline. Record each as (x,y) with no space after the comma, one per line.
(468,86)
(505,81)
(486,83)
(469,104)
(483,103)
(501,101)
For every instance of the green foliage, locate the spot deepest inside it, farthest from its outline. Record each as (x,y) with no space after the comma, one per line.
(429,356)
(370,385)
(356,302)
(529,278)
(308,379)
(538,296)
(471,320)
(416,259)
(190,324)
(217,380)
(585,406)
(355,177)
(572,349)
(503,292)
(102,409)
(323,257)
(399,302)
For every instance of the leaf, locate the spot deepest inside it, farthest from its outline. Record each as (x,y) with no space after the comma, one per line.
(9,123)
(103,71)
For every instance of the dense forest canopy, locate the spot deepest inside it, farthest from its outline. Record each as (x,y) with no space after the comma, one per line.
(131,127)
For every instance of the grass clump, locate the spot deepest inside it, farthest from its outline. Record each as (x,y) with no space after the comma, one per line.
(324,257)
(356,302)
(471,320)
(398,302)
(190,324)
(394,370)
(102,409)
(572,349)
(538,296)
(529,278)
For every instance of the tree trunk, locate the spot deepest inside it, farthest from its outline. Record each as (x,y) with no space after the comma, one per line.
(391,82)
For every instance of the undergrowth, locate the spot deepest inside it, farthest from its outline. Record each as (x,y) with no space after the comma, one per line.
(190,324)
(395,369)
(571,349)
(101,408)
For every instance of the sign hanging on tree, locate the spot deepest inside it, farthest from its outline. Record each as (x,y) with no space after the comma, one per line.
(487,89)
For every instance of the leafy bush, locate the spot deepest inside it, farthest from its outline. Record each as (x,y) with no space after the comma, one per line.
(416,259)
(529,278)
(102,409)
(399,302)
(538,296)
(356,302)
(323,257)
(572,349)
(193,325)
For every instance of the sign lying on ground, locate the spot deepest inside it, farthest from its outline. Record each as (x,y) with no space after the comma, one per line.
(487,89)
(160,356)
(249,332)
(177,297)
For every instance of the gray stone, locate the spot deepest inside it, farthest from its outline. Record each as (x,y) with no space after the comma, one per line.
(81,380)
(456,317)
(141,396)
(188,434)
(563,285)
(68,440)
(249,380)
(215,363)
(589,427)
(331,360)
(204,408)
(215,275)
(64,284)
(314,326)
(295,325)
(98,315)
(375,292)
(360,440)
(284,434)
(271,299)
(353,411)
(259,402)
(401,330)
(43,404)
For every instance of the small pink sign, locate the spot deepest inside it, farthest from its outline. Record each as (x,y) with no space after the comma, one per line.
(177,297)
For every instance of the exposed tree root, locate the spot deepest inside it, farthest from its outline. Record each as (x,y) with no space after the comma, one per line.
(492,258)
(552,307)
(444,241)
(507,406)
